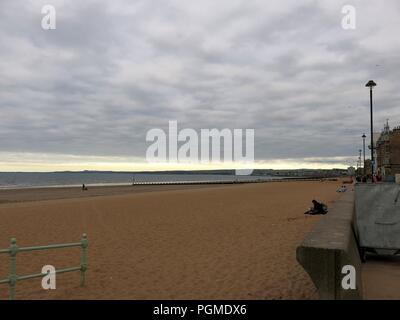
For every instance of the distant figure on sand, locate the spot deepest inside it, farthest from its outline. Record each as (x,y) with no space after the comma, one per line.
(84,187)
(318,208)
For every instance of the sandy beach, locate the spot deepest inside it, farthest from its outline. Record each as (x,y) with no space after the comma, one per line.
(167,242)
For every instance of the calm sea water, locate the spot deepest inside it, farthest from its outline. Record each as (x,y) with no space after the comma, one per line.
(11,180)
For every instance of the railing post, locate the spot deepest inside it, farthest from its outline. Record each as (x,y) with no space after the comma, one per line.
(13,268)
(84,245)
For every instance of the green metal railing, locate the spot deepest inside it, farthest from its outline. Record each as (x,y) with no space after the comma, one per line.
(13,250)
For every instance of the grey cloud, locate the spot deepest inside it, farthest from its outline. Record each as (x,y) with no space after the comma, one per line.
(113,70)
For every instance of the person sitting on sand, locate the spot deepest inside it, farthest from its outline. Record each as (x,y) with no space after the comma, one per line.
(343,188)
(318,208)
(84,187)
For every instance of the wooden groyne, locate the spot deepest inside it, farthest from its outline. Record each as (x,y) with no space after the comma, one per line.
(241,181)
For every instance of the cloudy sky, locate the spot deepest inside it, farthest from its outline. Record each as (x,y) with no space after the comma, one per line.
(84,95)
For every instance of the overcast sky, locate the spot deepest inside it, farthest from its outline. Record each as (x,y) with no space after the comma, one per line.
(84,95)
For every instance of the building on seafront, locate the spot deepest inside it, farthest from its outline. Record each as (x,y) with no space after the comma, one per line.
(388,152)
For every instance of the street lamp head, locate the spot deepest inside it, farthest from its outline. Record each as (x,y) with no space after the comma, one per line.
(371,84)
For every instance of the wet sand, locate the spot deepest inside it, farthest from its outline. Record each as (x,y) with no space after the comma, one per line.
(208,242)
(54,193)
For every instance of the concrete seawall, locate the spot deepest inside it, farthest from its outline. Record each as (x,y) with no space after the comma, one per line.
(331,245)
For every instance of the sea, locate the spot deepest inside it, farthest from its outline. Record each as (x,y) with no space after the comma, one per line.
(18,180)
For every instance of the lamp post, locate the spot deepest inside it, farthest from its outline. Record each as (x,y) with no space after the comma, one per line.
(363,137)
(371,84)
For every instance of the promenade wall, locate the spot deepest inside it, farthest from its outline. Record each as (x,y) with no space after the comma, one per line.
(331,245)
